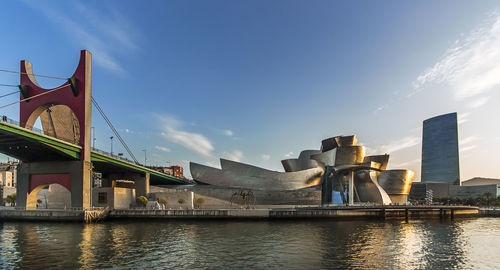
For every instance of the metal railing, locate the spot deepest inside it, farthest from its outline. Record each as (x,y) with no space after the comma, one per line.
(39,131)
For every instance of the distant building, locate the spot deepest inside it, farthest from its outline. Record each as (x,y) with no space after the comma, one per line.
(8,174)
(178,171)
(479,181)
(175,171)
(472,188)
(6,179)
(440,156)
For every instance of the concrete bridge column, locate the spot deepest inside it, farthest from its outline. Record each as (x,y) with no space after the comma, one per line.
(74,175)
(141,184)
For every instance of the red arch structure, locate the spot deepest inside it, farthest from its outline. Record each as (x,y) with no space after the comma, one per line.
(77,98)
(37,180)
(74,175)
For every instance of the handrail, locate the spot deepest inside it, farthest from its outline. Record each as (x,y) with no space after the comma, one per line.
(39,131)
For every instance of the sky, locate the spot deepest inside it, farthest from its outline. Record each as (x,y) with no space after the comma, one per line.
(259,81)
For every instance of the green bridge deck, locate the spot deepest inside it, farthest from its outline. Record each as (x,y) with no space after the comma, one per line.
(30,146)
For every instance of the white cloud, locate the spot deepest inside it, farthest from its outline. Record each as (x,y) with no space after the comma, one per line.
(470,67)
(266,157)
(289,154)
(403,164)
(162,148)
(465,144)
(193,141)
(463,117)
(468,140)
(228,132)
(394,146)
(235,155)
(103,33)
(467,148)
(478,102)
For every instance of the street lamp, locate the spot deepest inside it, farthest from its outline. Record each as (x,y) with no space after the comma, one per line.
(144,156)
(111,138)
(93,137)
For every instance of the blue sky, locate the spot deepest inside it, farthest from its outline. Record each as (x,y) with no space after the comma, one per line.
(259,81)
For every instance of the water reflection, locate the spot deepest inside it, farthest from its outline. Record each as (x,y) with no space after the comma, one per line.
(253,244)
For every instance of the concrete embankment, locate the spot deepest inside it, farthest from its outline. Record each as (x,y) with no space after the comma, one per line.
(53,215)
(42,215)
(489,212)
(348,212)
(332,212)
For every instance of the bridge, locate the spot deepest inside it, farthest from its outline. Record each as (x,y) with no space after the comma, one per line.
(61,153)
(32,145)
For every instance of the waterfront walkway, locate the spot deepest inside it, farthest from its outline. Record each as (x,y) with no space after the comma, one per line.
(329,212)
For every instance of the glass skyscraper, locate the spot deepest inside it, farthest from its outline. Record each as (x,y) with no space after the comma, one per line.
(440,156)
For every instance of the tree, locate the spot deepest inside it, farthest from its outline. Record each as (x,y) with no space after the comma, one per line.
(11,199)
(198,202)
(488,196)
(181,201)
(141,201)
(163,201)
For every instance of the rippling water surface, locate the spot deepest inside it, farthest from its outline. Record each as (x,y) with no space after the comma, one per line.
(429,244)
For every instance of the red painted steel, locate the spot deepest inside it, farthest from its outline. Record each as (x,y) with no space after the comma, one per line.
(63,96)
(62,179)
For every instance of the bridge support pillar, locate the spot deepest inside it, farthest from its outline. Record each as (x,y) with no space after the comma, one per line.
(141,181)
(73,175)
(141,184)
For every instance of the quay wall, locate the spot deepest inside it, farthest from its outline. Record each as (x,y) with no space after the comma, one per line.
(42,215)
(343,212)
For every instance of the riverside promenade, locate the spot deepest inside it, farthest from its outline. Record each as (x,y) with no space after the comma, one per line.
(329,212)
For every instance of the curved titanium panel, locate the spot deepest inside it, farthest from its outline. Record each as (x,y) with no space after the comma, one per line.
(368,189)
(294,165)
(346,140)
(396,181)
(381,159)
(304,162)
(239,175)
(290,165)
(341,156)
(328,144)
(306,154)
(326,158)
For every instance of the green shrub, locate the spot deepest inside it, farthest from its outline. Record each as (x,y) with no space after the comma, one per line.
(181,201)
(11,199)
(163,201)
(141,201)
(199,202)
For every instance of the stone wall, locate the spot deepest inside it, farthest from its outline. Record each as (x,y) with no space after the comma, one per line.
(220,197)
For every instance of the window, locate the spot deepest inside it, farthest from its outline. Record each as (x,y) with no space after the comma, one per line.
(102,198)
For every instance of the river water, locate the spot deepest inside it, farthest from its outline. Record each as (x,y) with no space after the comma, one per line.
(219,244)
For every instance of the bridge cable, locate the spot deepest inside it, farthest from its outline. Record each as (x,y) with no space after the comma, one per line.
(35,96)
(38,75)
(9,94)
(9,85)
(114,130)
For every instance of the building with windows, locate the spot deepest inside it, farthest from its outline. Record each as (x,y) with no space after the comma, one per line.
(440,156)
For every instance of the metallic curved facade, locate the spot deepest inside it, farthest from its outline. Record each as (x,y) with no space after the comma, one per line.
(396,181)
(304,162)
(239,175)
(368,189)
(382,160)
(340,167)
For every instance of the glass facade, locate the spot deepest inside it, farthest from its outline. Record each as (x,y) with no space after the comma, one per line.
(440,156)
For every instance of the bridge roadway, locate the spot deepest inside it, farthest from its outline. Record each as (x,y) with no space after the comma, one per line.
(30,146)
